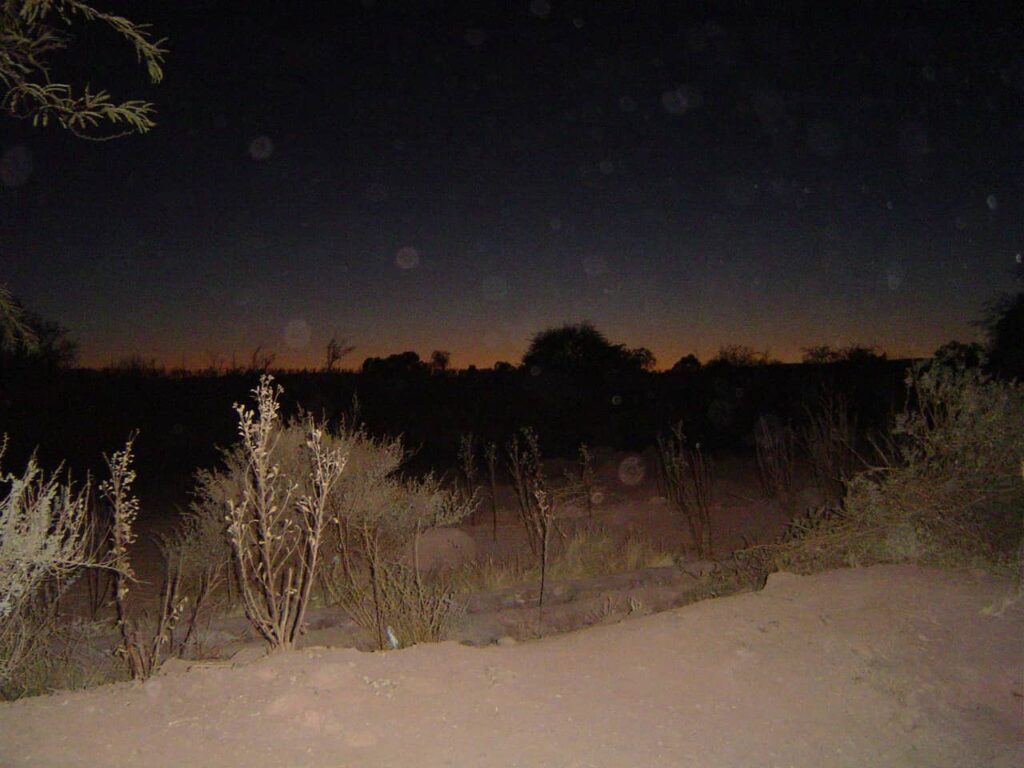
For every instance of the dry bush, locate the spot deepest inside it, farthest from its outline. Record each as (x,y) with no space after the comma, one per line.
(43,548)
(536,501)
(377,518)
(830,439)
(525,468)
(64,653)
(202,554)
(295,519)
(776,453)
(404,606)
(686,481)
(278,514)
(947,490)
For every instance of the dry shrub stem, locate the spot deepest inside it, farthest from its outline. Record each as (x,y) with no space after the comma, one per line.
(686,480)
(537,502)
(584,484)
(491,454)
(141,648)
(524,467)
(829,439)
(468,466)
(775,458)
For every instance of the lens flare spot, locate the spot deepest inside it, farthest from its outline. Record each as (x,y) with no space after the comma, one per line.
(632,471)
(16,166)
(407,258)
(297,334)
(261,148)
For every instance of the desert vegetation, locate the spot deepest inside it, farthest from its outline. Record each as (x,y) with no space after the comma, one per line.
(340,522)
(943,487)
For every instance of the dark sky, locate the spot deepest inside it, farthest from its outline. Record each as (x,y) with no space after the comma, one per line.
(446,175)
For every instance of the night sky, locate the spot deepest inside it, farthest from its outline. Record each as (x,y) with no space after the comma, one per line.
(459,176)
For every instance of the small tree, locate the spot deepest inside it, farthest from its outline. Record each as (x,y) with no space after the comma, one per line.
(27,338)
(582,350)
(31,32)
(440,360)
(1004,325)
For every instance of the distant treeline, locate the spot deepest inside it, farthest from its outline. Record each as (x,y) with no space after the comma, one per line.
(76,415)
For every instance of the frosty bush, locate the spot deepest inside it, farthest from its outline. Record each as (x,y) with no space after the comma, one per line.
(43,544)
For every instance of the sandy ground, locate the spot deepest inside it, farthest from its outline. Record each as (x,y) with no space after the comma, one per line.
(887,666)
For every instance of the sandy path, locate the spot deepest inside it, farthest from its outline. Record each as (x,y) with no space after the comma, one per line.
(888,666)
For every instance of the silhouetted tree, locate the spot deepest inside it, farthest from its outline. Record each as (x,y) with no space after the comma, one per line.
(854,353)
(822,354)
(15,332)
(262,359)
(336,350)
(582,350)
(859,353)
(1004,324)
(439,361)
(738,356)
(136,365)
(29,339)
(401,364)
(686,363)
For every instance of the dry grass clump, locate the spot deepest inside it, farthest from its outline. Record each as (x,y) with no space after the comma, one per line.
(587,552)
(406,608)
(947,491)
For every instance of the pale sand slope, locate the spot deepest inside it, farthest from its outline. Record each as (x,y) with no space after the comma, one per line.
(887,666)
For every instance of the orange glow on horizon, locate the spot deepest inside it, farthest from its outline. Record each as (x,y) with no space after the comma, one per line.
(666,354)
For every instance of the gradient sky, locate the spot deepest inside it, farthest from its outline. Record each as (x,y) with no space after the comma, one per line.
(461,175)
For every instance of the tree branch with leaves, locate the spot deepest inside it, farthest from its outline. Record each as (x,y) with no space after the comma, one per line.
(32,32)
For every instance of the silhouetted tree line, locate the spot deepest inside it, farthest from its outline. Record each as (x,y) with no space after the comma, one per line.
(572,385)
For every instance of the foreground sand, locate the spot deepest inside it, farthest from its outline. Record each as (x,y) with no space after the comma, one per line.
(886,666)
